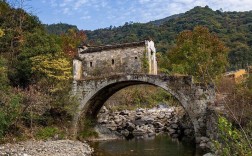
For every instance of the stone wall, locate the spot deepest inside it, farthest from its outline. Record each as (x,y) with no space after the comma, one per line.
(128,58)
(121,60)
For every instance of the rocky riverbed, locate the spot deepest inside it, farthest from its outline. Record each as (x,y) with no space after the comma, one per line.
(46,148)
(144,123)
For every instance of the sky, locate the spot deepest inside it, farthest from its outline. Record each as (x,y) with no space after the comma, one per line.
(94,14)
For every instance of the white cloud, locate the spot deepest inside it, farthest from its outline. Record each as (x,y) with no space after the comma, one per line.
(66,11)
(79,3)
(85,17)
(116,12)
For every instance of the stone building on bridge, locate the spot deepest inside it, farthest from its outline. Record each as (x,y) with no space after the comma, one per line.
(127,58)
(99,72)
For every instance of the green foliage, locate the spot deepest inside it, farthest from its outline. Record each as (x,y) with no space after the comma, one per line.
(9,102)
(145,63)
(49,132)
(163,63)
(35,76)
(198,53)
(231,140)
(88,131)
(233,28)
(37,43)
(60,28)
(3,74)
(143,96)
(9,111)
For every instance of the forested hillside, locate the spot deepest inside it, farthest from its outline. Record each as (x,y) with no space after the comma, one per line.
(35,76)
(234,28)
(59,28)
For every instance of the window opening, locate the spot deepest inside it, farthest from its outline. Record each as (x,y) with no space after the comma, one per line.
(113,61)
(91,64)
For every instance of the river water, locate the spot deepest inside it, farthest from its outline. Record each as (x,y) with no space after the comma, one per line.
(159,146)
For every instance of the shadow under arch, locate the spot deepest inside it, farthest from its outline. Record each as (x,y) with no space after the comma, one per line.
(94,93)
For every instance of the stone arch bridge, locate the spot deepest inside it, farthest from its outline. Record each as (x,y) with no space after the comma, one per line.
(92,94)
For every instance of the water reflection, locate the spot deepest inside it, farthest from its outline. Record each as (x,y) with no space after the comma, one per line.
(158,146)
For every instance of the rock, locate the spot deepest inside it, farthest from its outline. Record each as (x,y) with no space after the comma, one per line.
(103,110)
(174,126)
(112,126)
(174,135)
(204,139)
(130,126)
(161,116)
(187,132)
(138,132)
(138,117)
(124,112)
(209,154)
(210,145)
(118,121)
(171,131)
(197,140)
(125,132)
(148,120)
(158,125)
(42,148)
(139,122)
(203,145)
(140,110)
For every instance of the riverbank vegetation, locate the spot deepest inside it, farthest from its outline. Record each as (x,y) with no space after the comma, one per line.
(35,77)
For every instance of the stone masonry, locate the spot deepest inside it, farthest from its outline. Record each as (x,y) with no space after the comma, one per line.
(92,94)
(136,57)
(101,71)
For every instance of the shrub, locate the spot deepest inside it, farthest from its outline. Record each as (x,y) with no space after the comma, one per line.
(49,132)
(88,130)
(231,140)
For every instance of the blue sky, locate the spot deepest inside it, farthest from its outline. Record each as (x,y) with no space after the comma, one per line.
(93,14)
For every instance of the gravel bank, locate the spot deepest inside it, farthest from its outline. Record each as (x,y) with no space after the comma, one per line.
(46,148)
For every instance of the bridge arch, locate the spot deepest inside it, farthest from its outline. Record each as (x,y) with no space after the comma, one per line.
(93,93)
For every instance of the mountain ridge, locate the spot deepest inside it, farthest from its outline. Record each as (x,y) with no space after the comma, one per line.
(233,28)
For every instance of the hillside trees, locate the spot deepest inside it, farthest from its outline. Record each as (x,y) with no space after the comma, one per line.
(71,40)
(233,28)
(35,74)
(198,53)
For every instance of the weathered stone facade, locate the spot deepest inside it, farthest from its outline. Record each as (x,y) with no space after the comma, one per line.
(194,98)
(130,58)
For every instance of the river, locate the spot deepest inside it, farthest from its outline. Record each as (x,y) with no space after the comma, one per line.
(159,146)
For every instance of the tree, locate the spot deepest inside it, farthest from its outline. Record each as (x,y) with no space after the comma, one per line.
(55,67)
(198,53)
(72,39)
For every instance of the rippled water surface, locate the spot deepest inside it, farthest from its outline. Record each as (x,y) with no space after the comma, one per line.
(159,146)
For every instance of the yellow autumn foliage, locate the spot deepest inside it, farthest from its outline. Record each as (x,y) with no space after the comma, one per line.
(55,67)
(1,32)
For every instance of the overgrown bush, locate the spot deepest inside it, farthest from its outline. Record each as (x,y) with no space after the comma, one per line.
(232,141)
(88,130)
(49,132)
